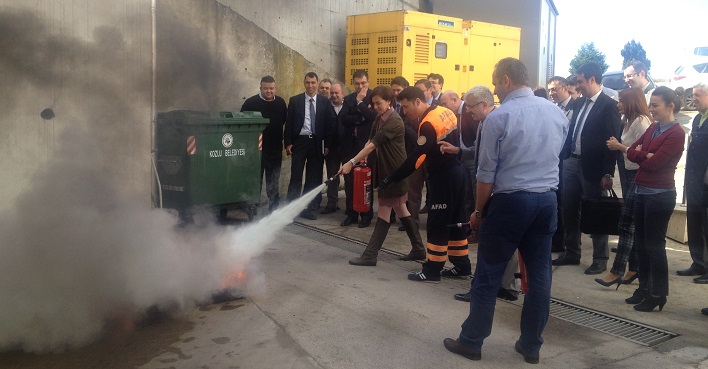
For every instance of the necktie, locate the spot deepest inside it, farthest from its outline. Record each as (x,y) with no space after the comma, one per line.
(577,124)
(312,116)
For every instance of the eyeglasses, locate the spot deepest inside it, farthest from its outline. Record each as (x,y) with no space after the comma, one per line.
(628,76)
(469,107)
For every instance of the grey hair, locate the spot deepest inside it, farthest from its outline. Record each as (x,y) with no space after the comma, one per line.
(481,93)
(703,86)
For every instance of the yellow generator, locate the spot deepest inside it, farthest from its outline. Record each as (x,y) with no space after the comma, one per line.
(413,45)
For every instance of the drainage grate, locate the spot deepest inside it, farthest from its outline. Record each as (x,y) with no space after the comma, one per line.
(343,238)
(619,327)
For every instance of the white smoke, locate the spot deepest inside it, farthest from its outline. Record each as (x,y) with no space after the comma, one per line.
(77,250)
(78,246)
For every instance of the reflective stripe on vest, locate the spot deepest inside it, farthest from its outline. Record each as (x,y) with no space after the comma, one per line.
(442,119)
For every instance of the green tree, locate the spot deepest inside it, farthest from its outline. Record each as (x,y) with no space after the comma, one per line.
(634,51)
(587,53)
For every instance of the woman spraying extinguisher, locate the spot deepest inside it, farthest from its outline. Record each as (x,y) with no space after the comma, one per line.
(387,138)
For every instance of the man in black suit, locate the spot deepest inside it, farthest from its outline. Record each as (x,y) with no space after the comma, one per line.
(436,82)
(333,160)
(588,165)
(356,119)
(308,143)
(696,189)
(558,92)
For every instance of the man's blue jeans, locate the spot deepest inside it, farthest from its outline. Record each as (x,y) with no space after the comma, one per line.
(524,221)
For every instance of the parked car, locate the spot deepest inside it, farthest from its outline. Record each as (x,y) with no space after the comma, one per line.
(701,51)
(614,80)
(687,76)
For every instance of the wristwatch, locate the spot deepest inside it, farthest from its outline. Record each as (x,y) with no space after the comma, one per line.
(352,161)
(478,213)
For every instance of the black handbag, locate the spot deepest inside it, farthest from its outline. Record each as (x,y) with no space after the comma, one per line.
(601,215)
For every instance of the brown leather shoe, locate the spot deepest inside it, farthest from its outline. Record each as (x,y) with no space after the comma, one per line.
(363,261)
(456,347)
(414,255)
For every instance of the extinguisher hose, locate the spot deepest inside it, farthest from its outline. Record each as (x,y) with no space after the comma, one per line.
(463,225)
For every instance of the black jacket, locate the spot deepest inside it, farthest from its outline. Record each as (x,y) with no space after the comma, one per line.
(356,120)
(602,122)
(696,163)
(325,119)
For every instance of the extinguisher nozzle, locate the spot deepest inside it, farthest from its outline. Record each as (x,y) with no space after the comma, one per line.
(327,182)
(458,225)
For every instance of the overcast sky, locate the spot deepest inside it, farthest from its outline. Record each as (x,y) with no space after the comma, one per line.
(668,30)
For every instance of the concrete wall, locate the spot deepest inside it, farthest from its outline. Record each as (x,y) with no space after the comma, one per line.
(88,61)
(525,14)
(209,57)
(314,28)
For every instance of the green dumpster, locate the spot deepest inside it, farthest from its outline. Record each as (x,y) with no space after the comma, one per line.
(211,159)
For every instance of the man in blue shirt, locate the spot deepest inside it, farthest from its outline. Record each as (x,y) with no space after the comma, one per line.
(518,162)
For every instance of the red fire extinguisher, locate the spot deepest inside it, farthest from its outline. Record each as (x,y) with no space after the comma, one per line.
(362,188)
(524,276)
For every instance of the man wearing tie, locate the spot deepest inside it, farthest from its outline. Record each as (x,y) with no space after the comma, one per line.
(437,82)
(558,91)
(310,120)
(588,165)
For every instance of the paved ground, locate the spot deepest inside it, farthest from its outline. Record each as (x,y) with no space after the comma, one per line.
(316,311)
(319,312)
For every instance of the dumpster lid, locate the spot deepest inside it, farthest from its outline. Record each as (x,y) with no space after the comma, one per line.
(183,117)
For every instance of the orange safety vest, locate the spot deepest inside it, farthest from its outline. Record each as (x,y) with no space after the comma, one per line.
(443,120)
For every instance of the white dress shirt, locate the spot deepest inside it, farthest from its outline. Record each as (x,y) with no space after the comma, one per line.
(307,126)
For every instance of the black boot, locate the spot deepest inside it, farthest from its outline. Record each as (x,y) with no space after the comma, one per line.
(637,297)
(368,258)
(413,232)
(650,302)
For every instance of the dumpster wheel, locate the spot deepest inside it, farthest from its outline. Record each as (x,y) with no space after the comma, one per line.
(251,212)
